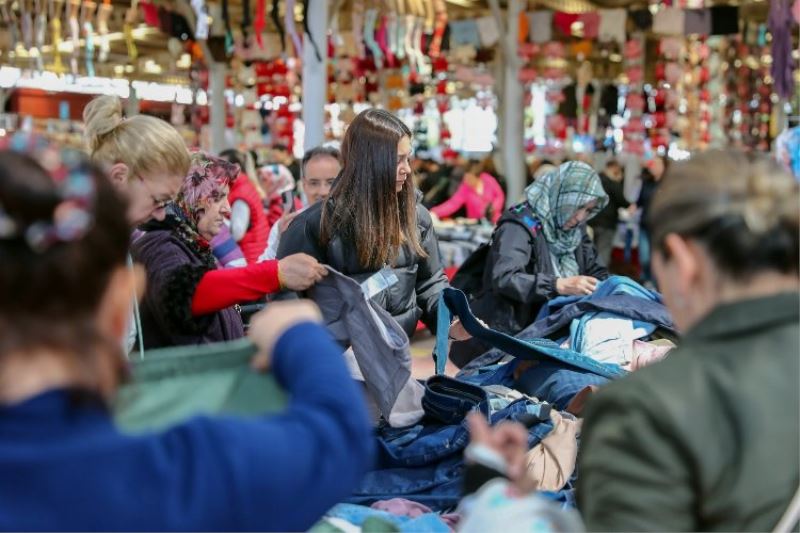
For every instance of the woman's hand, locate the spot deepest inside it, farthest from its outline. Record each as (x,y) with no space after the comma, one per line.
(267,326)
(299,272)
(576,285)
(509,439)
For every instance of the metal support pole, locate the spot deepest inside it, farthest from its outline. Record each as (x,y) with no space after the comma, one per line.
(315,75)
(216,85)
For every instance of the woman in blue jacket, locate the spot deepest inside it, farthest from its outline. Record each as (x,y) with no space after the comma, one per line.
(63,312)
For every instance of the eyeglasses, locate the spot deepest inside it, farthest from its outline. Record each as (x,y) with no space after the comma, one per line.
(158,204)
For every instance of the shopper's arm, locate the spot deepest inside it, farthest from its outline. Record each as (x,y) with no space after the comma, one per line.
(591,265)
(498,201)
(302,236)
(240,219)
(431,279)
(632,470)
(452,205)
(222,288)
(283,472)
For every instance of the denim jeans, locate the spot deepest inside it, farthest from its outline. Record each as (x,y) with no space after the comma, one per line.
(449,400)
(531,349)
(427,444)
(615,285)
(644,255)
(556,384)
(425,463)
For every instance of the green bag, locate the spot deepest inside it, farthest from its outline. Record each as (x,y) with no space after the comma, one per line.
(171,385)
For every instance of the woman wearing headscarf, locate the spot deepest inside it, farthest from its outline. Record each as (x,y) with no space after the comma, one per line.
(189,299)
(709,438)
(539,250)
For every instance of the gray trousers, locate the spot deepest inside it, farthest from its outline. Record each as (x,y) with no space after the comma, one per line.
(604,243)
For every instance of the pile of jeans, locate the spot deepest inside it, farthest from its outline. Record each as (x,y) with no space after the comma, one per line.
(424,462)
(522,378)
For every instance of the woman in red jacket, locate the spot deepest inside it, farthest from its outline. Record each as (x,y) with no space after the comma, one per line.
(189,300)
(249,225)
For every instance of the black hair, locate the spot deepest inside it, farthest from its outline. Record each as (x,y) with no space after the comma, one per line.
(320,151)
(49,297)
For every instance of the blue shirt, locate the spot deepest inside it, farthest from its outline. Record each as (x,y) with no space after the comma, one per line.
(66,467)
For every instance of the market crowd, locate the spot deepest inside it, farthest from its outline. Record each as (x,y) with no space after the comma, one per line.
(678,407)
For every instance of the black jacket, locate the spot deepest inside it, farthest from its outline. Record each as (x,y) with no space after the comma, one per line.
(415,296)
(519,276)
(649,186)
(608,217)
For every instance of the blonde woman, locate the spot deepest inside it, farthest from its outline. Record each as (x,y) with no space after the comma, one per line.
(145,157)
(147,161)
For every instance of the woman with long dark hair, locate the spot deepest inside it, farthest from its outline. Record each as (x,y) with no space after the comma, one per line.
(373,221)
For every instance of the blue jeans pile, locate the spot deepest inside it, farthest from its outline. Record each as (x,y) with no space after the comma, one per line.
(424,463)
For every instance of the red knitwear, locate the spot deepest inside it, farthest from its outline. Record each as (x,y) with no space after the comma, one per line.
(222,288)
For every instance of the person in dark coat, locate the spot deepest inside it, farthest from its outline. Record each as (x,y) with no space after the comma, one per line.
(651,175)
(539,250)
(189,300)
(373,221)
(605,223)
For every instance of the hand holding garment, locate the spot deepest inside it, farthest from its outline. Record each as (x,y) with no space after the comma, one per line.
(247,471)
(380,345)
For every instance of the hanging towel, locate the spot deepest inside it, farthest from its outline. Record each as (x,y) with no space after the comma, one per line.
(725,20)
(487,29)
(464,32)
(563,21)
(540,26)
(642,19)
(780,24)
(669,21)
(697,22)
(612,25)
(591,24)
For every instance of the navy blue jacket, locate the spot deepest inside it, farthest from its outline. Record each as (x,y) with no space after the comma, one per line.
(66,467)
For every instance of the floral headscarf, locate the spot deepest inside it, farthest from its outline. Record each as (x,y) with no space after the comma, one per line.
(555,198)
(207,176)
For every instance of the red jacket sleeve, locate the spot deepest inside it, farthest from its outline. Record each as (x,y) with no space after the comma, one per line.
(220,289)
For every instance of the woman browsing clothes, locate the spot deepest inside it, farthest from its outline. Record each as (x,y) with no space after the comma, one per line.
(373,220)
(190,300)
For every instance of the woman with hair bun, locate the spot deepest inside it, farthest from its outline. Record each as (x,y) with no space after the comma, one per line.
(145,157)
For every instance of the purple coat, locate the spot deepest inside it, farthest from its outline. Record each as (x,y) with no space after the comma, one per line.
(175,265)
